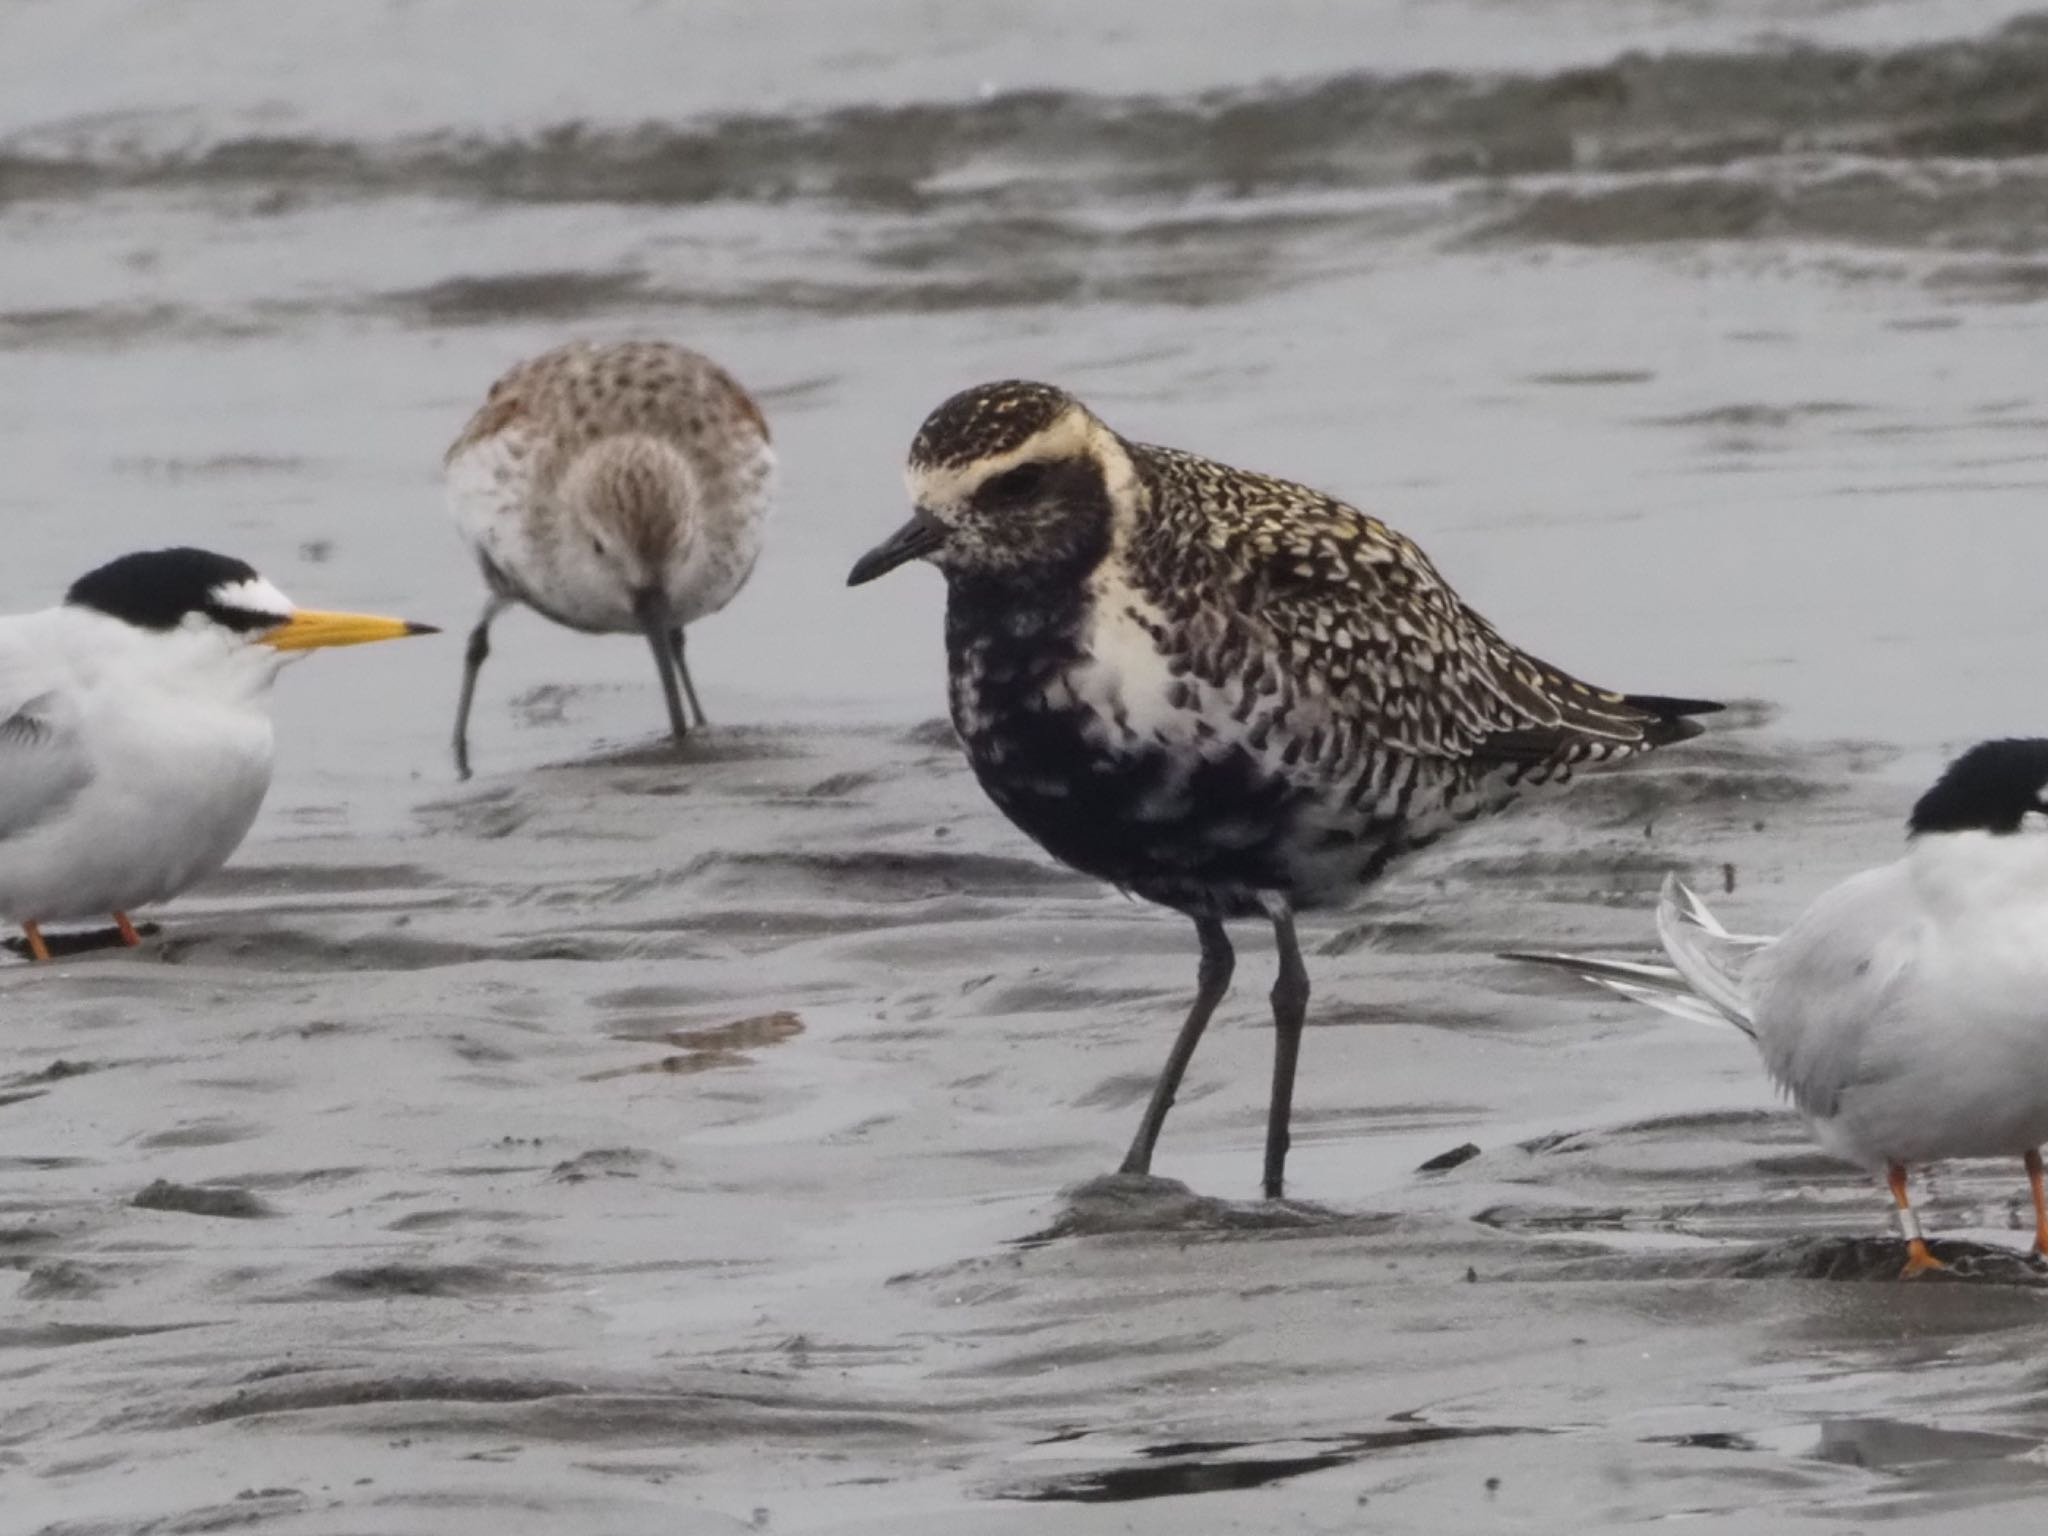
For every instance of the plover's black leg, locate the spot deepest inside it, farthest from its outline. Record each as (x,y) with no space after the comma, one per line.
(1290,1009)
(1212,980)
(675,641)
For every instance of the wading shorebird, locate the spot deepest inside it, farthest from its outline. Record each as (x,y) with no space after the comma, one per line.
(1906,1011)
(616,489)
(135,737)
(1227,693)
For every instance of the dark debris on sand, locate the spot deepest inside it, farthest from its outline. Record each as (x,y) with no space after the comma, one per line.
(1880,1259)
(1175,1468)
(420,1280)
(1884,1258)
(1456,1157)
(63,946)
(202,1200)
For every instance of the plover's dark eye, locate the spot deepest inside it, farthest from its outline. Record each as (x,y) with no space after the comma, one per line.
(598,545)
(1016,484)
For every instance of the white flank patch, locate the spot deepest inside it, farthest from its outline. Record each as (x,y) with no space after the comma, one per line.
(1124,674)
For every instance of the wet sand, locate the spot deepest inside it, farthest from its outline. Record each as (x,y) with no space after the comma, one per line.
(624,1142)
(758,1169)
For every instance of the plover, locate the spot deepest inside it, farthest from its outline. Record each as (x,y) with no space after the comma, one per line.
(1906,1011)
(1229,694)
(616,489)
(135,735)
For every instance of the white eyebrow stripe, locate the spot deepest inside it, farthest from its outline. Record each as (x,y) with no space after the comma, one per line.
(255,595)
(1073,434)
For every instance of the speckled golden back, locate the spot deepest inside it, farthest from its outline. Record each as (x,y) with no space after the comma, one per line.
(1330,601)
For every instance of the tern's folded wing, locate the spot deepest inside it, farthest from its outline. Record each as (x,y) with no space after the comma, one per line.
(1825,991)
(43,764)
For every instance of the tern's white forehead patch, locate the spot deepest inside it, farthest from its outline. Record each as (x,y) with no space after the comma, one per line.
(254,595)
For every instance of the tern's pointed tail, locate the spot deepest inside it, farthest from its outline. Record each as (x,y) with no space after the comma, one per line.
(1711,959)
(1704,981)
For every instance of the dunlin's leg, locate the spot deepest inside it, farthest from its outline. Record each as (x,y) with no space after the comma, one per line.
(127,929)
(1212,980)
(472,663)
(37,949)
(1918,1259)
(675,638)
(2040,1203)
(1290,1009)
(656,620)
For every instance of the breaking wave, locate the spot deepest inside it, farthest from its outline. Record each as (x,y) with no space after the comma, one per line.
(1976,99)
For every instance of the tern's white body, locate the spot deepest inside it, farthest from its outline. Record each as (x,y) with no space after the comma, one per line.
(132,762)
(1905,1012)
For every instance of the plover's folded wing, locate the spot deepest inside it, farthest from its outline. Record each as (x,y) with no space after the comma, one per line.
(1326,591)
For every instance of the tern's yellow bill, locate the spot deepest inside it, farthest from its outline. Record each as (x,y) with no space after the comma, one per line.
(310,629)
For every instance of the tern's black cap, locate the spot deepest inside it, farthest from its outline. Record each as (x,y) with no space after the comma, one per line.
(1990,788)
(157,588)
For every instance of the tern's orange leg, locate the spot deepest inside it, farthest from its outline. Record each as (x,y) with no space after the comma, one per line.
(37,949)
(1918,1259)
(128,934)
(2040,1203)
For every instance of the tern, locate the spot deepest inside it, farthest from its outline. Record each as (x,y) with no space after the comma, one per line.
(616,489)
(1906,1011)
(135,737)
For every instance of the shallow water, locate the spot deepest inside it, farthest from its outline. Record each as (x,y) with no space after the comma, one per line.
(623,1143)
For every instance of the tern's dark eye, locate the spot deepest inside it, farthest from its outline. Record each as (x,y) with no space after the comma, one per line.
(1017,484)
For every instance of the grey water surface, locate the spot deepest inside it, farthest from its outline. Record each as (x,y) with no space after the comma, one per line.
(629,1141)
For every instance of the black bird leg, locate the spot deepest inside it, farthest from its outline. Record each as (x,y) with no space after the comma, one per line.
(675,642)
(1290,1009)
(473,663)
(651,607)
(1212,980)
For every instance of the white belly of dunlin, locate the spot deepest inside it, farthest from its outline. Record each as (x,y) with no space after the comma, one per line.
(492,498)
